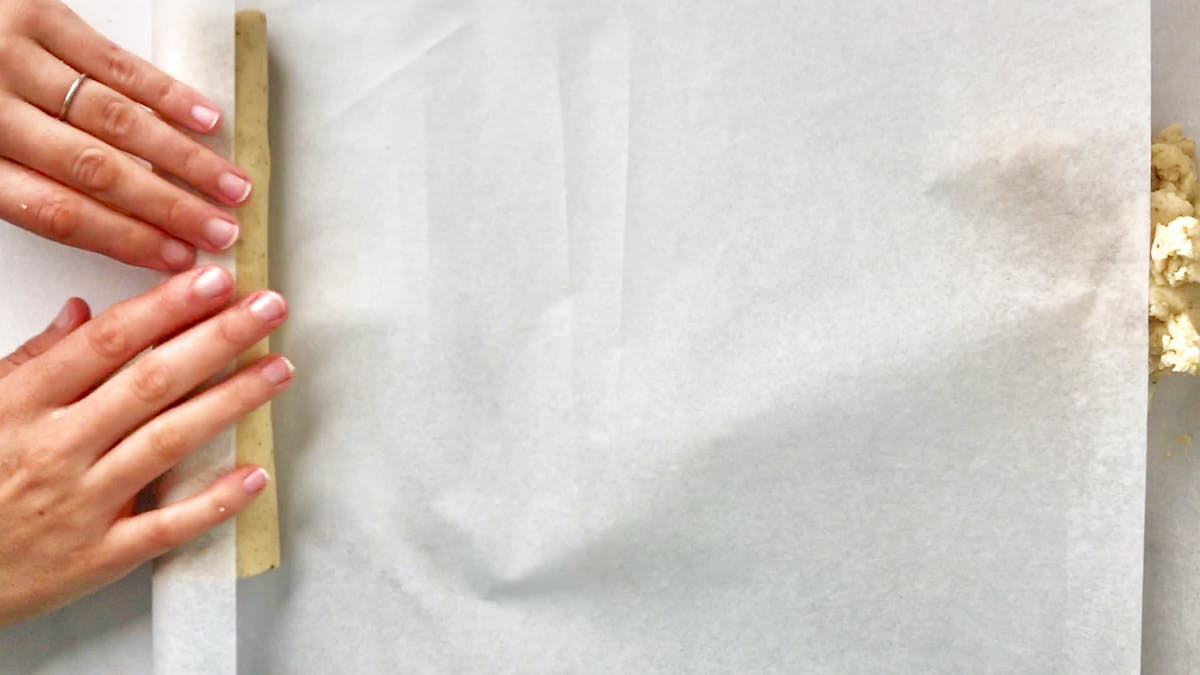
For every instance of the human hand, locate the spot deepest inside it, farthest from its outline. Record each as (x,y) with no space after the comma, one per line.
(75,447)
(70,181)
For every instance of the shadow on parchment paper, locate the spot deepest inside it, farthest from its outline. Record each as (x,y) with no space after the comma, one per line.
(1170,612)
(86,627)
(297,412)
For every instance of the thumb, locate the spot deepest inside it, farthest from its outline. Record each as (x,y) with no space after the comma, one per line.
(71,316)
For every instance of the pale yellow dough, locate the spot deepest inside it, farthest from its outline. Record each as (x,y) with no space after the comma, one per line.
(1174,252)
(258,525)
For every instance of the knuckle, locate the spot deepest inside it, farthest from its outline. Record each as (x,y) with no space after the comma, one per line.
(24,354)
(122,243)
(109,249)
(191,161)
(167,300)
(166,444)
(231,328)
(40,462)
(94,169)
(107,337)
(57,216)
(162,533)
(72,437)
(118,119)
(8,105)
(8,466)
(151,380)
(174,298)
(177,210)
(169,92)
(121,67)
(52,371)
(249,393)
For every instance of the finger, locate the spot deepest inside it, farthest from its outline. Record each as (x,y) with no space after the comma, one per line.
(81,161)
(52,210)
(176,367)
(71,316)
(101,346)
(69,38)
(120,122)
(161,443)
(136,539)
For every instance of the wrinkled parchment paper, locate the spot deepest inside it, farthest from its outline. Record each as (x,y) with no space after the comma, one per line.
(706,337)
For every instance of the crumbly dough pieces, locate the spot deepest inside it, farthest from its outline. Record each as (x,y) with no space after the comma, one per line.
(1174,252)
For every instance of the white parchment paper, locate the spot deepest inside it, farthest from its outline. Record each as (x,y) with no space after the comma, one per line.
(699,337)
(195,589)
(706,337)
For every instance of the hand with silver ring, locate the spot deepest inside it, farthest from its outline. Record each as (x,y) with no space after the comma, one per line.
(71,108)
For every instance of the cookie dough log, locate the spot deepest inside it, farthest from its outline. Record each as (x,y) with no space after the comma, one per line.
(258,525)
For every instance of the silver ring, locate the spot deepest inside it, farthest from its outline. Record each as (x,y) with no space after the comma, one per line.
(62,114)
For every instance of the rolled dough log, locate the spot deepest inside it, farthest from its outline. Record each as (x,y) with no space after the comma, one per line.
(258,525)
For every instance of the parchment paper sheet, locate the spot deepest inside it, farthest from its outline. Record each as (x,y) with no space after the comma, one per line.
(194,589)
(704,337)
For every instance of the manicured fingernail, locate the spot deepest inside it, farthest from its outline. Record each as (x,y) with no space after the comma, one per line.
(176,253)
(267,307)
(65,315)
(212,282)
(220,233)
(205,117)
(278,371)
(234,187)
(256,481)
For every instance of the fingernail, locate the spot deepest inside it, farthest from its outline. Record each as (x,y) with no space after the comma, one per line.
(234,187)
(211,283)
(220,233)
(267,307)
(176,253)
(278,371)
(256,481)
(64,317)
(205,117)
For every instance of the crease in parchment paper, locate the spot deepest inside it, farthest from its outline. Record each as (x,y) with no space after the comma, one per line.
(434,42)
(593,85)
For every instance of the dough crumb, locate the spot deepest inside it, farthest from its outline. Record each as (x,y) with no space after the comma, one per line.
(1173,253)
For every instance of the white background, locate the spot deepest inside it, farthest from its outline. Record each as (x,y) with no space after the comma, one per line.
(690,337)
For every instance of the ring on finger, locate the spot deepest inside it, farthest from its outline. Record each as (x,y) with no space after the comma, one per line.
(70,97)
